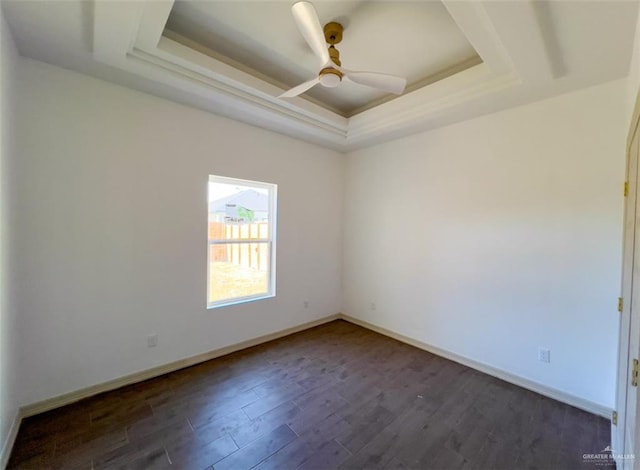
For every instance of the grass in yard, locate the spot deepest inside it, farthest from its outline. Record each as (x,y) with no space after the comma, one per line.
(231,280)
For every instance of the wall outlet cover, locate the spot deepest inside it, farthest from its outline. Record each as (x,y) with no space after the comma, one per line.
(544,355)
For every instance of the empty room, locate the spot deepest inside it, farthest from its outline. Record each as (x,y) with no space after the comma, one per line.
(319,234)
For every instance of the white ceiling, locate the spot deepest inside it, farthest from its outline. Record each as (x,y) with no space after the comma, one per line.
(415,40)
(530,50)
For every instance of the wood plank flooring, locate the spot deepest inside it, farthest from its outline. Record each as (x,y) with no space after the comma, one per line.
(335,396)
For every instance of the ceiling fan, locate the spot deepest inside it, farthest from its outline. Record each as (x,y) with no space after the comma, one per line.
(332,73)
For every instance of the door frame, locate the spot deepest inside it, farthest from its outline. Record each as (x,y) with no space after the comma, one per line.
(627,417)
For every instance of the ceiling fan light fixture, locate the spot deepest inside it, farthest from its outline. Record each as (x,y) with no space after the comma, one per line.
(330,80)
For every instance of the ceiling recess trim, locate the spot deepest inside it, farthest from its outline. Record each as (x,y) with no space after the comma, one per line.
(129,36)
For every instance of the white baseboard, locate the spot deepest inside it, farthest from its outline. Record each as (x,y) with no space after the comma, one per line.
(11,439)
(68,398)
(537,387)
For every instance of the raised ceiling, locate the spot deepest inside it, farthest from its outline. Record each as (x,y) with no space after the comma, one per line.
(416,40)
(529,50)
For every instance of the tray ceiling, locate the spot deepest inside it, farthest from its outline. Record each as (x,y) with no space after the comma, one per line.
(235,58)
(416,40)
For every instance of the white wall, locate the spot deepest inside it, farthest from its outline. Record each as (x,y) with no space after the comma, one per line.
(8,312)
(633,80)
(111,229)
(493,237)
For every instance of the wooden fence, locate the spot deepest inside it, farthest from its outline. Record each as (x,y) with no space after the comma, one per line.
(250,255)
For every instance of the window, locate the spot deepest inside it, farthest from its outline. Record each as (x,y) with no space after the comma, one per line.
(242,228)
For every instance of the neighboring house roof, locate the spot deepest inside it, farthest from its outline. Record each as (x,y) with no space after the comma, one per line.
(249,199)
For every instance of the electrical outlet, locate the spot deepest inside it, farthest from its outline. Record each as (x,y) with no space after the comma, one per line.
(306,304)
(544,355)
(152,340)
(373,306)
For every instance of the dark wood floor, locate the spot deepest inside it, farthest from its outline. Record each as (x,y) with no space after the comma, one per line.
(335,396)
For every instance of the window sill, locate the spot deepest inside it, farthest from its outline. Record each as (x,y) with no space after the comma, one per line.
(243,300)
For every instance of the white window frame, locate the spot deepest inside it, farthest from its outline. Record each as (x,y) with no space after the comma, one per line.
(272,191)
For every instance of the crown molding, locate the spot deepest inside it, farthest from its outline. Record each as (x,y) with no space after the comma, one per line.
(131,39)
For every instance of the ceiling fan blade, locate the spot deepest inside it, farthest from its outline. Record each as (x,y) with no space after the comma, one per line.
(381,81)
(300,88)
(307,21)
